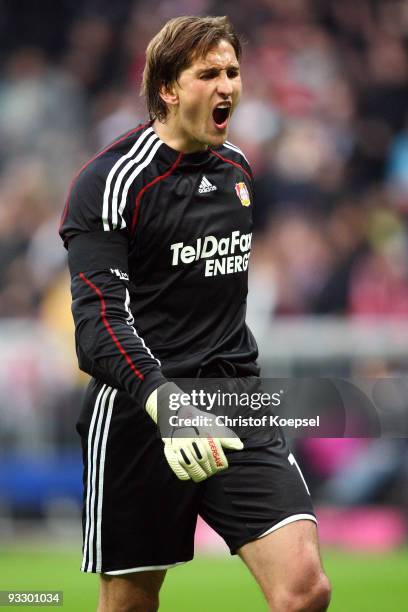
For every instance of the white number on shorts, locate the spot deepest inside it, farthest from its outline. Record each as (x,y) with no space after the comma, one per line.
(293,461)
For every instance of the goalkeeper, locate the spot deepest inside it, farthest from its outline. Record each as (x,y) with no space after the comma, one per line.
(158,231)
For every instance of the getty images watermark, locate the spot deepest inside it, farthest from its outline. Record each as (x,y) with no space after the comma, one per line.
(207,400)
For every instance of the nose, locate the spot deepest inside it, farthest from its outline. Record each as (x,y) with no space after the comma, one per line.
(224,85)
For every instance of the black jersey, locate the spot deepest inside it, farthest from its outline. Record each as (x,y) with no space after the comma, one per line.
(159,243)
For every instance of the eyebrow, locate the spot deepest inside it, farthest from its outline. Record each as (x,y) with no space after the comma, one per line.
(217,68)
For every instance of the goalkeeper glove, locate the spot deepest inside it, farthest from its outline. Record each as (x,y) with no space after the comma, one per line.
(199,455)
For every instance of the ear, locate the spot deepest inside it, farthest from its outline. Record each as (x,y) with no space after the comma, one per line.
(169,94)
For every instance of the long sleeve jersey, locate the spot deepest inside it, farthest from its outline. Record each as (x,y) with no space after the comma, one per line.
(158,246)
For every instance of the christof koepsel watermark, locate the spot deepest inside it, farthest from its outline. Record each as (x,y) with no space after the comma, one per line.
(240,421)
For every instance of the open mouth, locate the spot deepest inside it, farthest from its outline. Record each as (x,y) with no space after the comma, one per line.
(220,115)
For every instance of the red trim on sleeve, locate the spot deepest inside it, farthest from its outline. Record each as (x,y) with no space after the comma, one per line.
(229,161)
(146,187)
(64,214)
(109,328)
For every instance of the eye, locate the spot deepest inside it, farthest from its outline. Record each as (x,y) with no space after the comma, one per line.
(206,76)
(233,73)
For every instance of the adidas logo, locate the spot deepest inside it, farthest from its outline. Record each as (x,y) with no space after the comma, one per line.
(206,186)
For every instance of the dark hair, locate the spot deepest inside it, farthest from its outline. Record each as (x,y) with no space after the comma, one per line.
(174,48)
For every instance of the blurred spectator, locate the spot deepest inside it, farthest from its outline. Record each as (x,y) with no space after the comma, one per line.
(41,109)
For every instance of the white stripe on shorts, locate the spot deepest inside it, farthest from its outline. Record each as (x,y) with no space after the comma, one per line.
(96,457)
(146,568)
(289,519)
(88,482)
(100,484)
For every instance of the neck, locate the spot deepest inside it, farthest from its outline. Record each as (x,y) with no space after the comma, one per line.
(173,136)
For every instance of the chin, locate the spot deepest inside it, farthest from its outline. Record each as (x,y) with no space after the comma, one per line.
(216,140)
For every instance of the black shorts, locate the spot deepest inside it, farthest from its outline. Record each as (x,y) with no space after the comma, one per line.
(138,516)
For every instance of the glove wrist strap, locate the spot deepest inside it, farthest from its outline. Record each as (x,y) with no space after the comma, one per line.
(151,406)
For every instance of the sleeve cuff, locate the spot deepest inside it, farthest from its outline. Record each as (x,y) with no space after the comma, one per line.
(152,380)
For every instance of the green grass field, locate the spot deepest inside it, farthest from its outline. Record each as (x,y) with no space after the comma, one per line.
(361,583)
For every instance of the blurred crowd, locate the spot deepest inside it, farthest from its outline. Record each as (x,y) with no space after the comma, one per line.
(323,120)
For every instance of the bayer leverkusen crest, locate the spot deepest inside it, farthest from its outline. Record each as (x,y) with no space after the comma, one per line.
(242,193)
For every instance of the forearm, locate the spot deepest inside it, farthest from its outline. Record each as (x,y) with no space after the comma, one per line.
(107,342)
